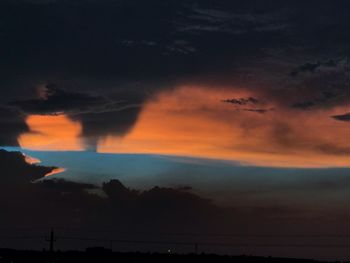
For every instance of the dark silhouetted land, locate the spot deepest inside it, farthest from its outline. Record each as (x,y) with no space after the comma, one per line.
(101,255)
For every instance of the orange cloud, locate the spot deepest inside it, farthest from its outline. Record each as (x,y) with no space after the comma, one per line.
(55,171)
(30,160)
(193,121)
(53,133)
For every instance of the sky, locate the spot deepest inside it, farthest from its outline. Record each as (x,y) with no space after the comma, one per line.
(213,116)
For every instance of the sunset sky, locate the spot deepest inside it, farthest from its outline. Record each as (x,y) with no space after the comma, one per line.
(232,114)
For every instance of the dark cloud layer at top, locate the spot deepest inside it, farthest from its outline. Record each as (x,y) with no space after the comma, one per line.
(127,50)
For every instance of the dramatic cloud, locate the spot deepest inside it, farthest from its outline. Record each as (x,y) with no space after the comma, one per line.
(263,83)
(174,123)
(97,126)
(99,116)
(104,73)
(107,74)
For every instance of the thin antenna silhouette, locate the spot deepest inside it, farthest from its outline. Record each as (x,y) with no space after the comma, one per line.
(51,240)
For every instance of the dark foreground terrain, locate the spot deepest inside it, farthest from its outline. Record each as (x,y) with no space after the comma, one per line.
(104,255)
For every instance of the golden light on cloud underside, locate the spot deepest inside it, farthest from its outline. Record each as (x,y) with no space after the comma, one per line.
(31,160)
(194,121)
(55,171)
(54,133)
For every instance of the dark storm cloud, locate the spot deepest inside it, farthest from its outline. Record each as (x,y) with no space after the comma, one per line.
(14,169)
(325,86)
(245,102)
(11,125)
(98,115)
(97,125)
(242,101)
(54,101)
(312,67)
(127,41)
(342,117)
(125,51)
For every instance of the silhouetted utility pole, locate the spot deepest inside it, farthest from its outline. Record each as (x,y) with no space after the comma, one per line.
(196,248)
(52,240)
